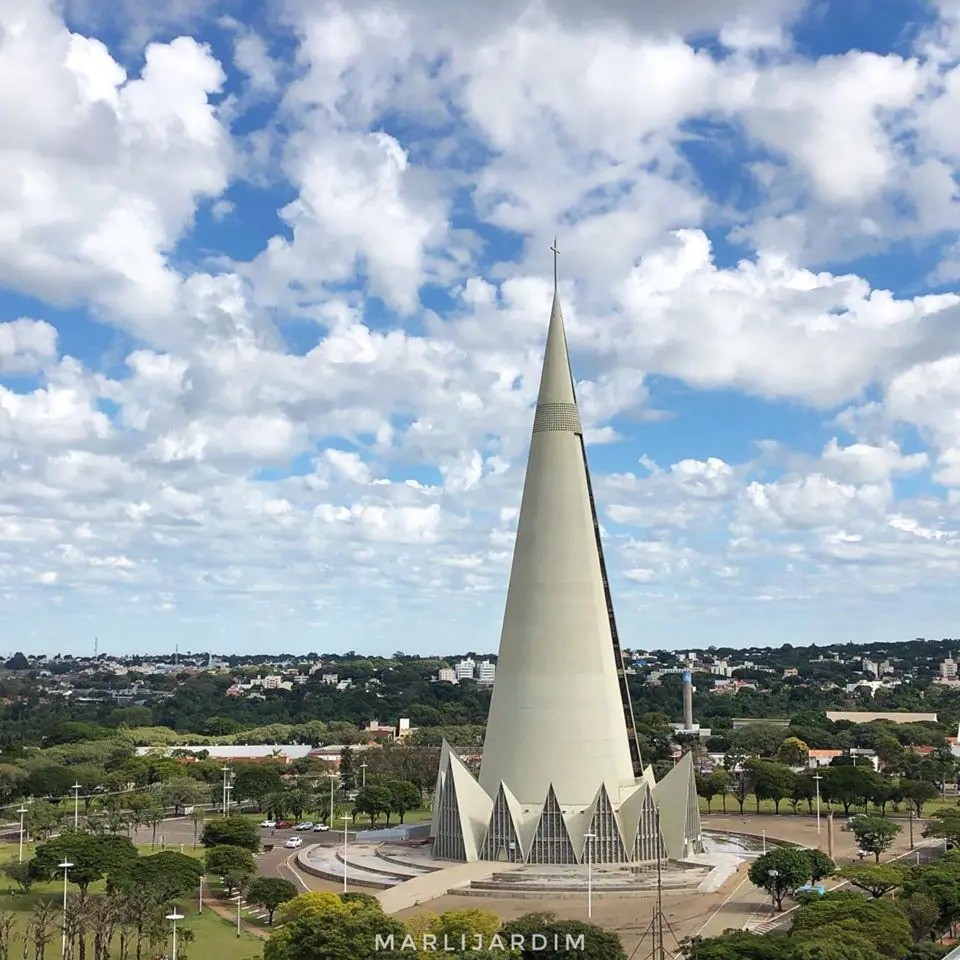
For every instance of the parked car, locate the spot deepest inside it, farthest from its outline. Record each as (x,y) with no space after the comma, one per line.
(306,825)
(320,828)
(294,842)
(268,824)
(284,824)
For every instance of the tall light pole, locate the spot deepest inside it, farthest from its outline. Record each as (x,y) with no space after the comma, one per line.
(346,820)
(76,788)
(332,776)
(224,770)
(363,773)
(816,779)
(173,918)
(23,812)
(773,874)
(239,898)
(589,840)
(200,907)
(65,866)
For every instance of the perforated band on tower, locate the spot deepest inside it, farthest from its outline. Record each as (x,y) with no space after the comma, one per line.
(562,417)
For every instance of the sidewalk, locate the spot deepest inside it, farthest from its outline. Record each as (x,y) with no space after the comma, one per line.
(230,915)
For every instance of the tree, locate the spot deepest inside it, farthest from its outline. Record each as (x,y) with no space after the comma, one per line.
(803,788)
(12,780)
(348,772)
(848,785)
(721,785)
(404,796)
(231,863)
(40,929)
(231,831)
(42,818)
(944,824)
(20,873)
(758,739)
(372,801)
(840,914)
(270,893)
(820,865)
(918,792)
(256,781)
(706,789)
(876,880)
(7,921)
(922,912)
(181,792)
(793,752)
(164,877)
(735,945)
(598,944)
(779,872)
(771,781)
(322,926)
(297,801)
(741,785)
(92,857)
(875,834)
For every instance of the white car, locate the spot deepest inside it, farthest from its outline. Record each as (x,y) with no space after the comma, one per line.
(294,842)
(268,824)
(306,825)
(320,828)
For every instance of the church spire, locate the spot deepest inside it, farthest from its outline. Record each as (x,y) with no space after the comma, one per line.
(556,380)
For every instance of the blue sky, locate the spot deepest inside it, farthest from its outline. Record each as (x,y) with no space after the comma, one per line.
(274,284)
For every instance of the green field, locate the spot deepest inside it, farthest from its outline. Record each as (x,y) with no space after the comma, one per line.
(786,809)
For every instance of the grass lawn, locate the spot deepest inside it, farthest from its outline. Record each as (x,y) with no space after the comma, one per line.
(786,809)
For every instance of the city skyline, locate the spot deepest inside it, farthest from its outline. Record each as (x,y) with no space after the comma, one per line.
(272,290)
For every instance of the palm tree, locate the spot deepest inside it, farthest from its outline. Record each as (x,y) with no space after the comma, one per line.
(298,800)
(276,804)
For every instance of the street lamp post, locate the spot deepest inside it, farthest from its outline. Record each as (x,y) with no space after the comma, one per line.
(173,918)
(23,812)
(773,874)
(239,898)
(763,835)
(589,840)
(224,770)
(76,788)
(200,906)
(816,779)
(346,820)
(363,774)
(332,776)
(65,866)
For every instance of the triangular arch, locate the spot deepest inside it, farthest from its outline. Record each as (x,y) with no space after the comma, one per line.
(551,843)
(502,841)
(607,843)
(448,830)
(648,844)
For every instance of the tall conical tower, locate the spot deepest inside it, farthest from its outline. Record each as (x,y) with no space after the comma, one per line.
(560,711)
(560,765)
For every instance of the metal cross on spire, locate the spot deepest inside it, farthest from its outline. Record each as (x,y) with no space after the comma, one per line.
(556,253)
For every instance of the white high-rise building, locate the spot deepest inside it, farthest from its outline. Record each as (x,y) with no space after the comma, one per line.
(560,757)
(466,669)
(486,672)
(948,668)
(447,675)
